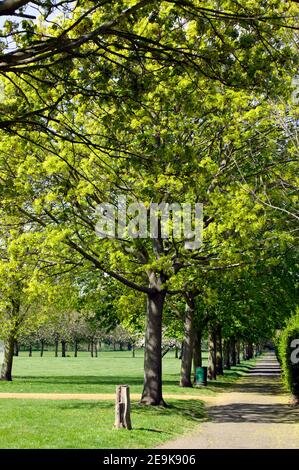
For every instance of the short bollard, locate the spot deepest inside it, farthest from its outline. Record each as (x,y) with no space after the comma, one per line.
(122,407)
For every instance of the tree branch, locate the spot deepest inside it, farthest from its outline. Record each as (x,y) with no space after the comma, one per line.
(99,265)
(9,7)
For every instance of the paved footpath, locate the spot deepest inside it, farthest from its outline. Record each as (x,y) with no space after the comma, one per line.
(255,414)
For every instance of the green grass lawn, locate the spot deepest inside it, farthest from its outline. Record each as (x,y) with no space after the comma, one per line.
(41,424)
(89,424)
(100,375)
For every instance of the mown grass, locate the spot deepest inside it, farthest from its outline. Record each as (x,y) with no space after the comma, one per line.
(44,424)
(100,375)
(41,424)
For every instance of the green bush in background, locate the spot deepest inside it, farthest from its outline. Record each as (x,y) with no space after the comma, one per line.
(290,369)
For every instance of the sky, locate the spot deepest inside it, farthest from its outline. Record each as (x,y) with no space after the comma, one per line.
(30,9)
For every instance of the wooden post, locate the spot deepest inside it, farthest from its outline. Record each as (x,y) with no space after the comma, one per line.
(122,407)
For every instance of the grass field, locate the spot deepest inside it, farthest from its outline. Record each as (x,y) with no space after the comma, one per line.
(89,424)
(99,375)
(62,425)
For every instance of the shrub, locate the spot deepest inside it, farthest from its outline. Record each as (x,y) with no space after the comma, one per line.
(290,370)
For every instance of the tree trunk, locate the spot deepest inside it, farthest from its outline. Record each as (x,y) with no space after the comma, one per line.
(63,349)
(95,349)
(133,350)
(212,355)
(30,351)
(219,353)
(123,408)
(114,345)
(238,347)
(227,354)
(176,354)
(16,348)
(152,385)
(244,350)
(233,351)
(75,348)
(56,347)
(186,365)
(249,351)
(181,351)
(6,370)
(91,348)
(42,344)
(197,353)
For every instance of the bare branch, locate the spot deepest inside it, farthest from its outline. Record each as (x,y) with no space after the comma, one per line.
(9,7)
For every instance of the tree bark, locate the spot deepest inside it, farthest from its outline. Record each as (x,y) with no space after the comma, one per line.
(42,344)
(233,351)
(123,408)
(219,353)
(91,348)
(16,348)
(197,352)
(249,351)
(6,370)
(186,365)
(238,347)
(181,351)
(152,385)
(133,350)
(212,355)
(63,348)
(244,351)
(75,348)
(95,349)
(227,354)
(30,351)
(56,347)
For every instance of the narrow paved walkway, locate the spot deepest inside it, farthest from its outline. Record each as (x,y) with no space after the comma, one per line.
(255,414)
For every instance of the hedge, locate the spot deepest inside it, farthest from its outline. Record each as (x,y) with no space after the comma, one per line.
(290,370)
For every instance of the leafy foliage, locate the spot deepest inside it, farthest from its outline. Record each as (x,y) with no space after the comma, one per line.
(290,370)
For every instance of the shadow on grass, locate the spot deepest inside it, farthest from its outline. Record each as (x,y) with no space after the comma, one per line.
(188,409)
(85,380)
(81,380)
(84,405)
(228,380)
(111,380)
(191,410)
(258,380)
(151,430)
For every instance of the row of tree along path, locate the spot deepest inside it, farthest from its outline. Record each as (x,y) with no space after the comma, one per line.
(254,414)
